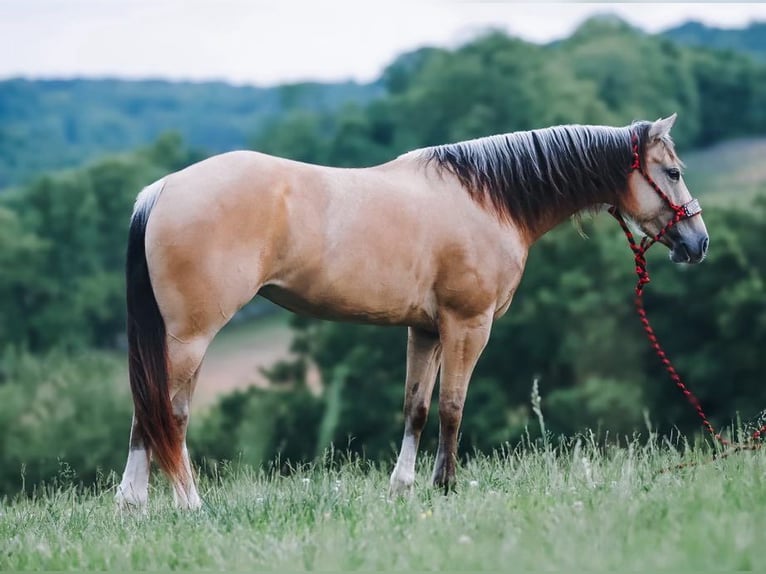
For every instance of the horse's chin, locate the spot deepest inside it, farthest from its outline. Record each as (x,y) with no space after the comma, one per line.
(679,254)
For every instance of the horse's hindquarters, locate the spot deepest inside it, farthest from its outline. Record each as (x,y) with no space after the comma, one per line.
(210,242)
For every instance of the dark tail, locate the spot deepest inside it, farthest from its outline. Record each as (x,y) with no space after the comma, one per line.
(147,347)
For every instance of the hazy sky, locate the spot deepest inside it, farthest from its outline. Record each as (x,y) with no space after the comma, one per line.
(245,41)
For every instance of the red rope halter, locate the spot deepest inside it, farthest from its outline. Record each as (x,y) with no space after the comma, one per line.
(680,212)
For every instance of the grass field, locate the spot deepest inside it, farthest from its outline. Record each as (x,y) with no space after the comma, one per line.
(576,508)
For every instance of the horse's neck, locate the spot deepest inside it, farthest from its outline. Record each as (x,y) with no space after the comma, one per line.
(553,218)
(412,163)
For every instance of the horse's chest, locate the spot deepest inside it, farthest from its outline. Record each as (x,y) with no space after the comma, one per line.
(508,284)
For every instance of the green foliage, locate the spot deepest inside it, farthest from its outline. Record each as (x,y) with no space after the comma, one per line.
(605,73)
(62,243)
(61,418)
(254,426)
(21,254)
(721,311)
(741,85)
(52,124)
(613,406)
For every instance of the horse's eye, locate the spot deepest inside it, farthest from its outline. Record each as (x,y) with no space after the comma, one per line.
(674,173)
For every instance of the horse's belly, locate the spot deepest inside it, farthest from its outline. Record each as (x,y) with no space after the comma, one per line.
(339,304)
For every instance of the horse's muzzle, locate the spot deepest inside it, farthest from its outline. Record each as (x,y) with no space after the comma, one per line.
(688,249)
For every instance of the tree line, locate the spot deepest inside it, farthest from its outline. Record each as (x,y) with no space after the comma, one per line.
(605,73)
(48,125)
(52,124)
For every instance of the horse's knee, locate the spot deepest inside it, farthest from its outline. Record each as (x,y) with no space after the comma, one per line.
(450,414)
(419,416)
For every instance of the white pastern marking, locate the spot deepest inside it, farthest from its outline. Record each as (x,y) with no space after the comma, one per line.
(403,476)
(134,487)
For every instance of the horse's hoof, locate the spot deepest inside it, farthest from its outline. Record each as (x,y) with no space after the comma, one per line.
(195,504)
(192,501)
(400,486)
(445,484)
(128,500)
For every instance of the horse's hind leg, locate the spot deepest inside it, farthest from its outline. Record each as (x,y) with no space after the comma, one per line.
(185,360)
(423,356)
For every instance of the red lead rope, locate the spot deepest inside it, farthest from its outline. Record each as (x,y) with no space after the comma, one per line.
(639,253)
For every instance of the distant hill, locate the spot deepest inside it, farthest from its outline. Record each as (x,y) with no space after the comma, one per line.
(750,40)
(53,124)
(595,75)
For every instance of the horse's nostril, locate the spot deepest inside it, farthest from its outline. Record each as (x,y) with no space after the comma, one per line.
(703,244)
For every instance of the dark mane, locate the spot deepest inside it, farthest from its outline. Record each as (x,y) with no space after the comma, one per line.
(528,177)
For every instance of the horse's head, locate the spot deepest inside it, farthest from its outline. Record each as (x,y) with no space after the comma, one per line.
(646,206)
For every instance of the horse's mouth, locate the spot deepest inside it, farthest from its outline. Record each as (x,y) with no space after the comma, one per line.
(680,253)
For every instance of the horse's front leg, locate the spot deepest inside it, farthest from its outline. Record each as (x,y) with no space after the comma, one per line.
(423,357)
(463,340)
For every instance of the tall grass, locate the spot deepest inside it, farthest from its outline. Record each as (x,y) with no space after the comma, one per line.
(588,502)
(577,505)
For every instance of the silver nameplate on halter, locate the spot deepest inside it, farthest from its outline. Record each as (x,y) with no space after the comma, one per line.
(692,208)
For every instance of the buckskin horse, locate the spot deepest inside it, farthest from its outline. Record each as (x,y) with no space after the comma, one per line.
(435,239)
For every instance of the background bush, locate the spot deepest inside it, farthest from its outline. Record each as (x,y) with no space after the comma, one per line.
(61,418)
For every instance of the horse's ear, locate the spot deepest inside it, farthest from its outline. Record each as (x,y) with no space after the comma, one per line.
(661,128)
